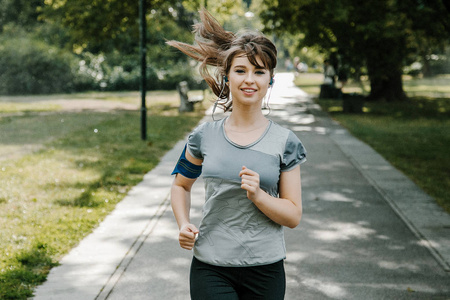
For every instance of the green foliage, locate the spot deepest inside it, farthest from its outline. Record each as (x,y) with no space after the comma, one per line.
(32,67)
(96,24)
(23,13)
(118,26)
(107,47)
(377,35)
(101,72)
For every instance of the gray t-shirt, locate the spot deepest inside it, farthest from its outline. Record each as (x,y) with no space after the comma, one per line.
(233,231)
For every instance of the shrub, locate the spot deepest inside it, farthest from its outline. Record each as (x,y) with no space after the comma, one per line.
(107,72)
(32,67)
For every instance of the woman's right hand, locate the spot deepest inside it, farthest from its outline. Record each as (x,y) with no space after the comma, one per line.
(187,235)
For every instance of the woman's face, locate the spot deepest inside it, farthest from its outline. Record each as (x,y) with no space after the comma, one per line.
(248,83)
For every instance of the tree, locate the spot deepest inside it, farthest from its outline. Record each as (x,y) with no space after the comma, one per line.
(430,24)
(96,25)
(374,34)
(106,25)
(19,12)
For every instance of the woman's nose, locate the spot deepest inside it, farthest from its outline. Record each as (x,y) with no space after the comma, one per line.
(249,78)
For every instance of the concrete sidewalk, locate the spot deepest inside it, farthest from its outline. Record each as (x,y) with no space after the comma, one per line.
(367,232)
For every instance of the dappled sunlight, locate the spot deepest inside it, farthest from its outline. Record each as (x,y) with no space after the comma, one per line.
(341,231)
(333,290)
(280,109)
(180,261)
(333,196)
(330,254)
(315,129)
(12,152)
(425,243)
(331,166)
(296,256)
(391,265)
(168,229)
(382,237)
(377,167)
(169,275)
(302,119)
(294,117)
(341,131)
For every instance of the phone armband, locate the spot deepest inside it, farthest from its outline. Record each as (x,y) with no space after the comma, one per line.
(186,168)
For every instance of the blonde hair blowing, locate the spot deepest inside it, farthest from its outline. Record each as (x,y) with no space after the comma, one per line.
(217,47)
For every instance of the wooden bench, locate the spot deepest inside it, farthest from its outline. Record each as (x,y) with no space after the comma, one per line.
(187,102)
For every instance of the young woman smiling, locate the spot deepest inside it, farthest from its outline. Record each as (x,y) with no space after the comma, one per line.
(251,169)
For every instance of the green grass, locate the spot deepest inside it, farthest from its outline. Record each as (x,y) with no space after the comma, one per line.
(414,136)
(27,107)
(438,87)
(86,163)
(57,102)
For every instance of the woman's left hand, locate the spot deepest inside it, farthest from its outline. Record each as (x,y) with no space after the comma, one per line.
(250,183)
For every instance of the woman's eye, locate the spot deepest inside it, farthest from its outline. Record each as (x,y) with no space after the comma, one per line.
(260,72)
(240,71)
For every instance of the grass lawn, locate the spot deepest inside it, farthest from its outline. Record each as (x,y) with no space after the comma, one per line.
(414,136)
(85,163)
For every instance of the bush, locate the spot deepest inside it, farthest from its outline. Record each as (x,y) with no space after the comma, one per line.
(169,79)
(32,67)
(101,72)
(120,80)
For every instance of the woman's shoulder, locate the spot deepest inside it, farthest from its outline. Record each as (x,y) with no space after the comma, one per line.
(287,134)
(206,127)
(280,129)
(210,125)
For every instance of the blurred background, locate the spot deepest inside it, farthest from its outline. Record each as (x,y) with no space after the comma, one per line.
(70,112)
(60,46)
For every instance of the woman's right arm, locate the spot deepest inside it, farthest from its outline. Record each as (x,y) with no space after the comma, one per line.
(181,205)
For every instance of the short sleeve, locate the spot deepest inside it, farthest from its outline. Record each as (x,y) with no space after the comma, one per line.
(294,153)
(194,142)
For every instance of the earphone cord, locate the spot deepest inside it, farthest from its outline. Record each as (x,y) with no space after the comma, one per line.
(267,106)
(217,102)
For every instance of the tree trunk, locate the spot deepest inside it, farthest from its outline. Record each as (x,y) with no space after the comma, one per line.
(387,88)
(385,75)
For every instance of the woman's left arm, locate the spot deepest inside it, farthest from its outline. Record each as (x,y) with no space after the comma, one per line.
(286,210)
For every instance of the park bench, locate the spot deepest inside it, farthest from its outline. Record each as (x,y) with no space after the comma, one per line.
(187,102)
(329,91)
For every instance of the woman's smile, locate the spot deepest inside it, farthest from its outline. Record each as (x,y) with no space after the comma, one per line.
(248,91)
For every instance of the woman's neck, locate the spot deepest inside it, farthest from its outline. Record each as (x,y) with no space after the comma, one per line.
(244,128)
(244,120)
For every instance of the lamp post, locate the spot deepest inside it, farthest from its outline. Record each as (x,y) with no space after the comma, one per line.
(143,53)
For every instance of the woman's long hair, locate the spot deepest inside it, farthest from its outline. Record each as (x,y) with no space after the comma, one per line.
(217,47)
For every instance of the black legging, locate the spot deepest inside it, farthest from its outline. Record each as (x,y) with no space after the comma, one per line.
(210,282)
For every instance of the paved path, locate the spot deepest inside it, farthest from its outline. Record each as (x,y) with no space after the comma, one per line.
(367,232)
